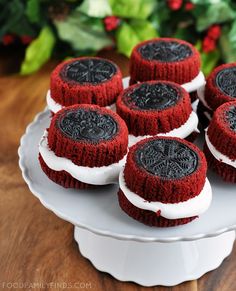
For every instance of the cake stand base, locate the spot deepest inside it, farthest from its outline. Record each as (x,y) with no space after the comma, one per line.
(154,263)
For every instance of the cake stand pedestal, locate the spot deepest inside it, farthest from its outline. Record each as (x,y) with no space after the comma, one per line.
(123,247)
(154,263)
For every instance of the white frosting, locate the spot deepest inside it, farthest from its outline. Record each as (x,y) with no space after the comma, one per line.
(196,83)
(191,86)
(96,175)
(55,107)
(218,155)
(201,96)
(52,104)
(112,107)
(195,105)
(192,207)
(183,131)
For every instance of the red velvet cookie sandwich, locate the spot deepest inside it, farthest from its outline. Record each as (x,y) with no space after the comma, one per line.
(220,88)
(87,80)
(84,145)
(157,108)
(164,182)
(220,146)
(167,59)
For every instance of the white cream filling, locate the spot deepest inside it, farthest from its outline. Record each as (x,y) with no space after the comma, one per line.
(196,83)
(191,86)
(97,175)
(55,107)
(183,131)
(195,105)
(192,207)
(52,104)
(218,155)
(201,96)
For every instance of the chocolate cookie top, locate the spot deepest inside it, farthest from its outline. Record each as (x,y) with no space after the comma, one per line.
(146,96)
(231,117)
(87,125)
(226,81)
(89,70)
(165,51)
(167,158)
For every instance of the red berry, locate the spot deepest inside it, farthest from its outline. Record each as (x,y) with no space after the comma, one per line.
(26,39)
(214,32)
(111,23)
(8,39)
(189,6)
(208,44)
(175,4)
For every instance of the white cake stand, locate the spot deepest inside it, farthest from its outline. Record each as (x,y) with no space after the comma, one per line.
(123,247)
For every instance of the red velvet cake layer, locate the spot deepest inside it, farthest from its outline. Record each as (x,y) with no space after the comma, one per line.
(62,177)
(148,217)
(227,172)
(220,85)
(178,69)
(222,137)
(151,118)
(88,152)
(68,91)
(167,190)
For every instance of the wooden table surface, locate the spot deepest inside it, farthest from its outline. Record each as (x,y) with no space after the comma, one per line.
(37,250)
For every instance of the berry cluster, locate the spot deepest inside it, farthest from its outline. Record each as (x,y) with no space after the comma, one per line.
(177,4)
(10,39)
(209,42)
(111,23)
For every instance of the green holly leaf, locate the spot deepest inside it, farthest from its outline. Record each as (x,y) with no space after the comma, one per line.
(98,8)
(13,19)
(139,9)
(209,61)
(83,32)
(218,12)
(33,10)
(144,29)
(129,35)
(231,35)
(38,52)
(228,44)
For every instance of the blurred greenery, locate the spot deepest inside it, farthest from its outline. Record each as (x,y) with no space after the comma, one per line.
(138,9)
(98,8)
(220,12)
(39,51)
(130,34)
(82,32)
(81,27)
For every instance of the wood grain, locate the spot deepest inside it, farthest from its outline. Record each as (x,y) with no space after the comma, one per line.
(36,247)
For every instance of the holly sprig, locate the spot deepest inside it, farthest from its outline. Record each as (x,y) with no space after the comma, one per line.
(82,27)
